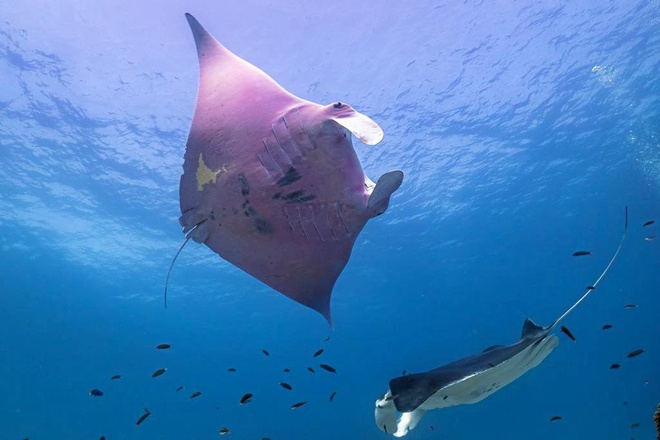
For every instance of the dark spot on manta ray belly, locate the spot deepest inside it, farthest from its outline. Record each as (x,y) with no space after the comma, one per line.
(260,224)
(245,187)
(292,175)
(297,197)
(263,226)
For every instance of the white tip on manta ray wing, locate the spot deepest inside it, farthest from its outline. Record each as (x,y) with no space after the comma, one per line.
(362,127)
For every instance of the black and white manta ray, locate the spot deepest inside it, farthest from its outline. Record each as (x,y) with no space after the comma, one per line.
(471,379)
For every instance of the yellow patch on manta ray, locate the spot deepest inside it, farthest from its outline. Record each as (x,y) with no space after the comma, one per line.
(205,174)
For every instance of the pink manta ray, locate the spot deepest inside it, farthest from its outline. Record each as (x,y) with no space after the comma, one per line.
(271,182)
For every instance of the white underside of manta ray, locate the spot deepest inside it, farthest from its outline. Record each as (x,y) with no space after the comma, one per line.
(471,379)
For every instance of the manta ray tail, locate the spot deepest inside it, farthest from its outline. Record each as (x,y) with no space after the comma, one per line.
(594,285)
(169,271)
(189,235)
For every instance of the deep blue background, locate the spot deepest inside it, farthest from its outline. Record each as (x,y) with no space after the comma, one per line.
(523,129)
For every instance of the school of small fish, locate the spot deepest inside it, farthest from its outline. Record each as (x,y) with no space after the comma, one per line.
(244,400)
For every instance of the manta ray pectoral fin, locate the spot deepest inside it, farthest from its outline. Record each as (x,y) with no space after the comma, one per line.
(379,199)
(362,127)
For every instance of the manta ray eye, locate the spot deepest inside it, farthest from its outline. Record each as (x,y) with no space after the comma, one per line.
(338,105)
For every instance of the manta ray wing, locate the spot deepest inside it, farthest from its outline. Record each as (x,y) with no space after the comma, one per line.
(473,378)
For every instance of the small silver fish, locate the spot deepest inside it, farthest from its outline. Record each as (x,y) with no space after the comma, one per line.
(159,372)
(195,394)
(298,405)
(143,417)
(332,396)
(567,332)
(328,368)
(224,431)
(246,398)
(635,353)
(318,353)
(163,346)
(286,386)
(581,253)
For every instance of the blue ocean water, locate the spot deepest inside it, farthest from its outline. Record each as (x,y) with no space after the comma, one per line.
(524,129)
